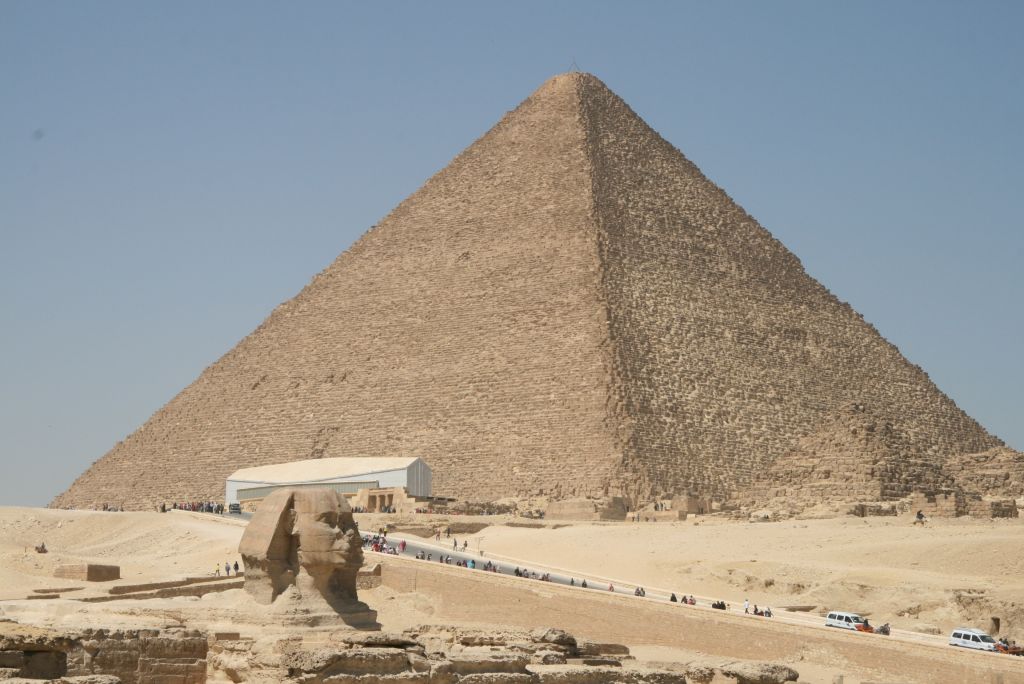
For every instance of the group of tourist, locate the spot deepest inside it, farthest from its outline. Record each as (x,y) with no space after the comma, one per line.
(382,509)
(195,507)
(685,600)
(227,569)
(545,577)
(447,560)
(767,612)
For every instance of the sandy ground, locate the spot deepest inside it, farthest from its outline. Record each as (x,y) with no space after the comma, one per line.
(147,546)
(947,573)
(944,574)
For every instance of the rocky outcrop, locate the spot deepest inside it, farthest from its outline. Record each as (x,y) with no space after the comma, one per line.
(302,553)
(433,655)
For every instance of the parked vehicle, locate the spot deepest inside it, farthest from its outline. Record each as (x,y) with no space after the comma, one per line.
(235,508)
(968,637)
(850,621)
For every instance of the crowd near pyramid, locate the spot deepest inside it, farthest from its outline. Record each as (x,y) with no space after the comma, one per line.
(570,308)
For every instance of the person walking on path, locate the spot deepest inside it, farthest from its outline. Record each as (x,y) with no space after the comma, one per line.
(746,605)
(227,569)
(236,568)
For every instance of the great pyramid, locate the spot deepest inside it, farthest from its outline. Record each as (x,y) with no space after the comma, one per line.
(569,308)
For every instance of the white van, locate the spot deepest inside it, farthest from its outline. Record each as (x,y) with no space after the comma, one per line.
(967,637)
(847,621)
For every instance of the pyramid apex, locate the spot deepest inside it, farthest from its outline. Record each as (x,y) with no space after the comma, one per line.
(572,77)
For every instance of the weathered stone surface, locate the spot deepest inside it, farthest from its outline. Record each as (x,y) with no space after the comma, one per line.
(854,455)
(550,635)
(475,663)
(499,678)
(569,308)
(302,550)
(101,656)
(606,508)
(12,659)
(403,678)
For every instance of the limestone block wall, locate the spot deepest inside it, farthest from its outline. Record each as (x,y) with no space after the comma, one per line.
(609,508)
(88,572)
(996,472)
(132,656)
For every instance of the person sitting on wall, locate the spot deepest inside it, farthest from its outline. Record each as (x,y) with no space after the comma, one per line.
(673,598)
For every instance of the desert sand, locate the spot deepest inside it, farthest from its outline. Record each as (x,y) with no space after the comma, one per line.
(944,574)
(947,573)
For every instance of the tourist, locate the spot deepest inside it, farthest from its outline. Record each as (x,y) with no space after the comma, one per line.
(455,545)
(216,570)
(465,544)
(227,569)
(236,568)
(572,582)
(746,606)
(611,587)
(673,598)
(583,584)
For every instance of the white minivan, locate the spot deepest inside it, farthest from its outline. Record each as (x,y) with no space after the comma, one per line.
(847,621)
(972,638)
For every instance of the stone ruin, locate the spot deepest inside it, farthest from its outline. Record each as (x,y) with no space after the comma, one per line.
(302,552)
(570,308)
(88,572)
(102,656)
(607,508)
(427,654)
(437,654)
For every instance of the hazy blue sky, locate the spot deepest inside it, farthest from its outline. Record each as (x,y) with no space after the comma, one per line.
(170,172)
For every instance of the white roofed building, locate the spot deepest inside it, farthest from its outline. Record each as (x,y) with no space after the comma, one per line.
(345,475)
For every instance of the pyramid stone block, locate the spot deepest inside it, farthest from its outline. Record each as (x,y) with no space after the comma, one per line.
(569,308)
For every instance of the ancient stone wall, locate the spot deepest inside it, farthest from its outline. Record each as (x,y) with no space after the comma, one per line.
(994,472)
(570,308)
(88,572)
(608,508)
(132,656)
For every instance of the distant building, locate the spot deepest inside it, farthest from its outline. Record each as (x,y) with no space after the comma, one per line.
(345,475)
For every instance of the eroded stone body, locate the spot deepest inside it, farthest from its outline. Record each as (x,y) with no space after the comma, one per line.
(302,550)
